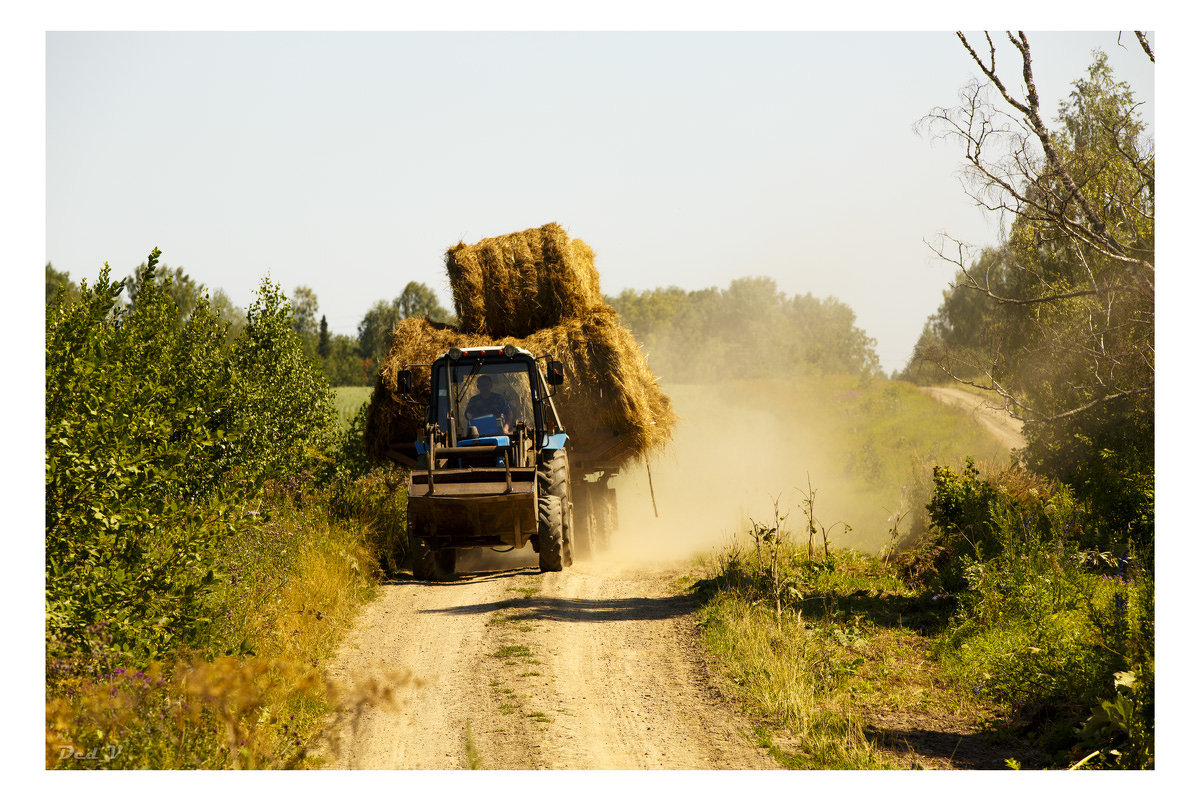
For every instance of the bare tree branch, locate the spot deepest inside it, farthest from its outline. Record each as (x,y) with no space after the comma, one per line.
(1141,37)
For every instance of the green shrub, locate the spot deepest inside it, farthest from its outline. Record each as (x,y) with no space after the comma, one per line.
(156,438)
(134,510)
(1043,622)
(281,402)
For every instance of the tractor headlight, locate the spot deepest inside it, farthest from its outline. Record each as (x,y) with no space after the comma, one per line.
(510,350)
(455,354)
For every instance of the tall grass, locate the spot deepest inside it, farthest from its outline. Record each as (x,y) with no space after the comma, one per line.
(767,613)
(295,585)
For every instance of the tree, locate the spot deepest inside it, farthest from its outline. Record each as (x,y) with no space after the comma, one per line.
(375,329)
(749,330)
(59,283)
(418,300)
(186,292)
(304,317)
(323,339)
(1058,320)
(229,314)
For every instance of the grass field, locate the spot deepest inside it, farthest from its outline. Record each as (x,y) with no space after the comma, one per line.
(348,400)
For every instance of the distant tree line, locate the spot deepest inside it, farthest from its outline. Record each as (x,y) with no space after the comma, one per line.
(345,360)
(748,330)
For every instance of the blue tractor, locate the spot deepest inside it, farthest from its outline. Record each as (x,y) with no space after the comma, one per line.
(492,468)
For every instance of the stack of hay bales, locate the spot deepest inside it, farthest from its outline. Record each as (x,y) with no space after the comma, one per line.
(538,290)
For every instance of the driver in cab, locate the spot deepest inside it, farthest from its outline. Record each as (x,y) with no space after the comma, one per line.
(487,402)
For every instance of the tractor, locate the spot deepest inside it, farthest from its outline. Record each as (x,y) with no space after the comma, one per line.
(492,468)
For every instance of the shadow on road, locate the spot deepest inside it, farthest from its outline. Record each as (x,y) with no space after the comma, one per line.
(464,578)
(579,610)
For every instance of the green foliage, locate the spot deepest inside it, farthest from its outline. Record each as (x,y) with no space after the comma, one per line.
(1059,319)
(749,330)
(418,300)
(1043,620)
(183,523)
(375,329)
(186,293)
(155,436)
(1123,728)
(344,364)
(135,509)
(59,282)
(280,400)
(376,502)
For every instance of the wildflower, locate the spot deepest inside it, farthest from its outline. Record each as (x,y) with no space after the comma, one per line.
(976,689)
(937,597)
(141,675)
(291,717)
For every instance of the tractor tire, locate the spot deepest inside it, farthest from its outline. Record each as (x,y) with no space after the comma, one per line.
(568,518)
(424,563)
(550,534)
(554,475)
(604,505)
(596,516)
(554,479)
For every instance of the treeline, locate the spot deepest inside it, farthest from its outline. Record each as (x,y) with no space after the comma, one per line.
(344,360)
(748,330)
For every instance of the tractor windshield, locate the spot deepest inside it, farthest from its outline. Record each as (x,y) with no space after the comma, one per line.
(492,396)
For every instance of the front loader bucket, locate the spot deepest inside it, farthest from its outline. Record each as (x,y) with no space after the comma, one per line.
(464,509)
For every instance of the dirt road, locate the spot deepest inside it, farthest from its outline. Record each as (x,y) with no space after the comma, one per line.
(594,667)
(997,421)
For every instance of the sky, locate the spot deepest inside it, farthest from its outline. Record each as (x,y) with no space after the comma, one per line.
(349,162)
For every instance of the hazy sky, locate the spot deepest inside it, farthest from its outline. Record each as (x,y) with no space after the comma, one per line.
(350,162)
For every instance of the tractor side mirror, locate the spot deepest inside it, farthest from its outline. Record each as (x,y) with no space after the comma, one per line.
(554,373)
(405,379)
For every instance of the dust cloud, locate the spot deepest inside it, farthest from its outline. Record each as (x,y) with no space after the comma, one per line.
(729,462)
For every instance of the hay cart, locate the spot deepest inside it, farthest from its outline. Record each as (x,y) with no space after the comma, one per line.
(492,468)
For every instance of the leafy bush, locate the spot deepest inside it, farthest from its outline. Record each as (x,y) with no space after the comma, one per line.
(281,402)
(1043,622)
(134,513)
(377,504)
(156,437)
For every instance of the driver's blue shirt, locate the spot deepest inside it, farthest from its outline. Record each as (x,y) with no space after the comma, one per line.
(494,403)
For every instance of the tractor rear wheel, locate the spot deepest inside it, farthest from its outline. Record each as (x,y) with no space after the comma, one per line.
(550,534)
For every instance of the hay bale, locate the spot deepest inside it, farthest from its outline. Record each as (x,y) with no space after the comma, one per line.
(609,387)
(517,284)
